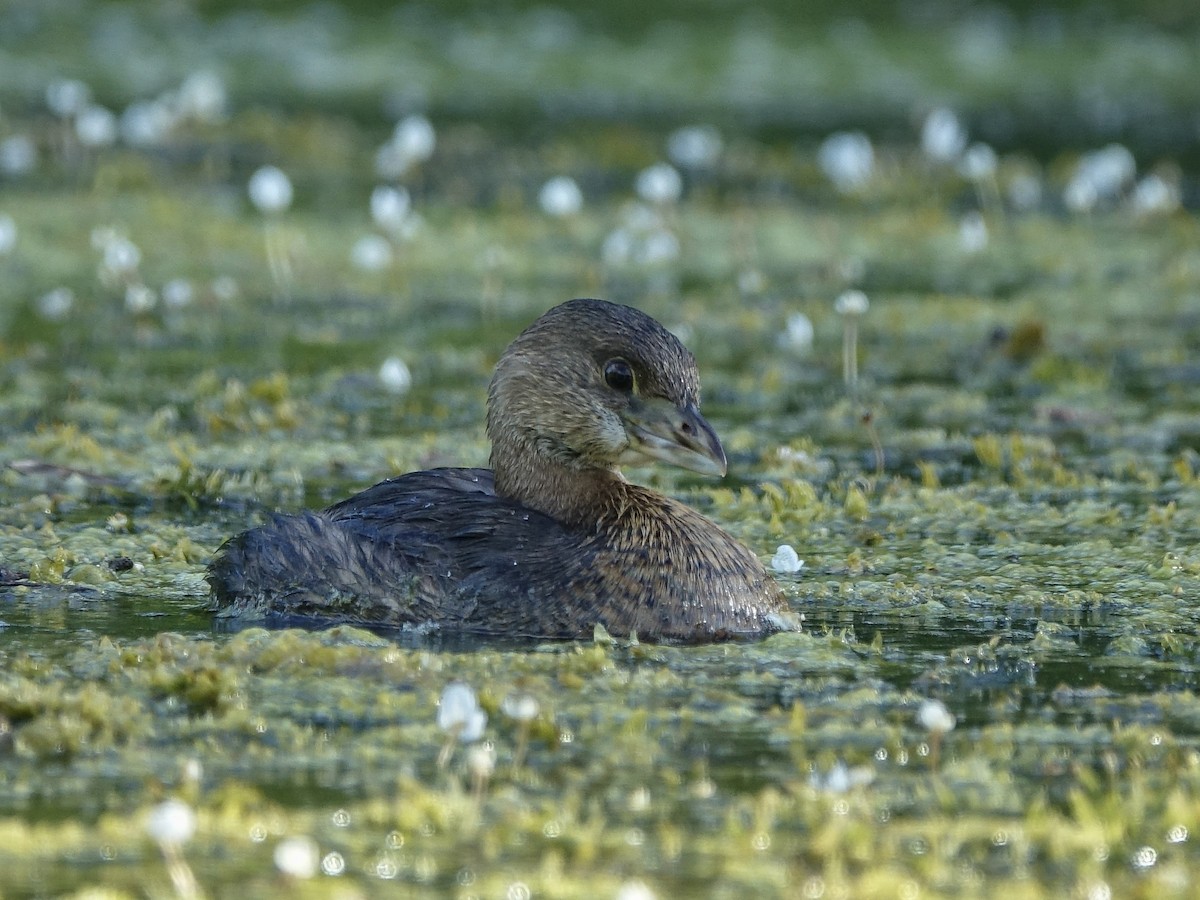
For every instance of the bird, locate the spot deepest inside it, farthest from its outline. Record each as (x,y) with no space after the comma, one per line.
(551,541)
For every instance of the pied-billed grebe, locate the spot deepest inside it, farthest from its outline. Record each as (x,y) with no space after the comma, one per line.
(552,540)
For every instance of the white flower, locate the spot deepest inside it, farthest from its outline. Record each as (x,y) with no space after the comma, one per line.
(617,248)
(695,146)
(389,207)
(96,126)
(786,561)
(146,123)
(371,253)
(8,234)
(972,232)
(1099,175)
(660,246)
(395,376)
(297,857)
(18,155)
(841,778)
(1025,191)
(415,135)
(177,293)
(1153,195)
(121,255)
(932,715)
(55,305)
(67,96)
(943,136)
(481,761)
(270,190)
(798,334)
(520,706)
(560,196)
(847,159)
(459,713)
(202,97)
(171,822)
(851,303)
(660,183)
(978,163)
(635,890)
(140,299)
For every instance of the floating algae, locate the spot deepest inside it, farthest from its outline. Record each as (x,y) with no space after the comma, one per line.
(1000,518)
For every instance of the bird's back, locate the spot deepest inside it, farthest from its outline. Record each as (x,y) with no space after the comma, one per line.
(440,548)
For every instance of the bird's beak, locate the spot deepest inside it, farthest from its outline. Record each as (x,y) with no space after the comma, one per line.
(679,435)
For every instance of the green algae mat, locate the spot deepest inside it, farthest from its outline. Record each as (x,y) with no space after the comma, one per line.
(255,260)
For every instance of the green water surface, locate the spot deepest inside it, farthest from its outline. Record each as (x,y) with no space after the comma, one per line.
(1003,514)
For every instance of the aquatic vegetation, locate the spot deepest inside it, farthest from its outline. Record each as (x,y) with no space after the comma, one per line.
(994,692)
(851,306)
(172,824)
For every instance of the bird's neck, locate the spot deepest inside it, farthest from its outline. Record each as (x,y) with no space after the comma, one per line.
(576,497)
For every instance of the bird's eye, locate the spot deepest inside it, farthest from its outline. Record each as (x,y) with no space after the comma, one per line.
(618,375)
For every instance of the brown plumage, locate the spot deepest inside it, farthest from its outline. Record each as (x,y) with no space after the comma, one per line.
(552,540)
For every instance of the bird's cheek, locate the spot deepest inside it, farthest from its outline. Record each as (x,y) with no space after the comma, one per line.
(607,435)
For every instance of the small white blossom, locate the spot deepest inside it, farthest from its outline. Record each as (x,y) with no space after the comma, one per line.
(177,293)
(8,234)
(481,761)
(389,207)
(203,97)
(978,163)
(146,123)
(786,561)
(841,778)
(617,249)
(933,716)
(297,857)
(695,146)
(140,299)
(270,190)
(635,890)
(1025,191)
(18,155)
(659,247)
(1154,195)
(847,159)
(121,255)
(459,712)
(56,305)
(851,303)
(371,253)
(972,232)
(96,126)
(171,822)
(394,375)
(799,332)
(1099,175)
(415,137)
(560,197)
(943,136)
(660,183)
(67,96)
(520,706)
